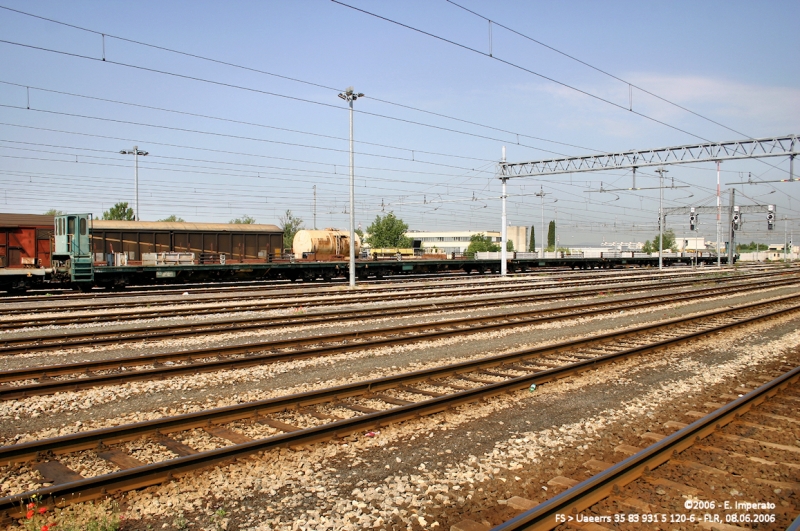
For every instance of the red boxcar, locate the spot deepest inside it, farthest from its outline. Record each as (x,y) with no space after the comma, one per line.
(25,240)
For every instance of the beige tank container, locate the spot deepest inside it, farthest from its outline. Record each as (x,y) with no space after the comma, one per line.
(323,243)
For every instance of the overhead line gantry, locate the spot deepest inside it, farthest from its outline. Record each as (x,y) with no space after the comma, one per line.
(751,148)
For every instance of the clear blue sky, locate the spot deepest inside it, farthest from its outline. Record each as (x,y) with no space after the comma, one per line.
(732,61)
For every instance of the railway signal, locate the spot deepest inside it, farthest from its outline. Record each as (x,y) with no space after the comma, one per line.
(692,220)
(770,217)
(737,218)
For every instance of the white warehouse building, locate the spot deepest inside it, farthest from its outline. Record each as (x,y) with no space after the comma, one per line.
(458,241)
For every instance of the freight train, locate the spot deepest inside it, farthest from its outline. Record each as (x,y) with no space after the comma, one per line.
(77,251)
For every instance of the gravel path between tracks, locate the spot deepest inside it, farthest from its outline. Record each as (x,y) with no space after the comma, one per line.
(440,469)
(465,463)
(40,416)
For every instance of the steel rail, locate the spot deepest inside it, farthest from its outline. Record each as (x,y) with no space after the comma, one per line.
(27,322)
(367,291)
(600,486)
(76,338)
(71,492)
(322,299)
(382,337)
(197,288)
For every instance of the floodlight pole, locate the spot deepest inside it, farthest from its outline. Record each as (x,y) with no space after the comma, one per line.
(719,220)
(661,172)
(541,194)
(504,227)
(135,152)
(350,96)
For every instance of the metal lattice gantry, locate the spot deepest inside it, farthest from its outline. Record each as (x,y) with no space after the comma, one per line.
(778,146)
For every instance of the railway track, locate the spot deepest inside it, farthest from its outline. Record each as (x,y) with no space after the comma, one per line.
(65,295)
(77,338)
(20,383)
(289,291)
(247,428)
(686,477)
(618,285)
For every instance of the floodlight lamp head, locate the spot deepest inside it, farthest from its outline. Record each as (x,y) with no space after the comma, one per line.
(144,153)
(361,95)
(342,96)
(123,152)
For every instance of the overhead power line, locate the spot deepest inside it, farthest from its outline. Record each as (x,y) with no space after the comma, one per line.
(556,50)
(288,78)
(519,67)
(238,137)
(229,120)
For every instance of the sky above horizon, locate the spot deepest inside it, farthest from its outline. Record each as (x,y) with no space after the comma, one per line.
(237,105)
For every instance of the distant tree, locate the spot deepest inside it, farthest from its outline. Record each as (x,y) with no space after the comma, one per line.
(532,244)
(551,236)
(120,211)
(388,231)
(480,243)
(173,217)
(360,233)
(290,224)
(244,220)
(668,243)
(54,212)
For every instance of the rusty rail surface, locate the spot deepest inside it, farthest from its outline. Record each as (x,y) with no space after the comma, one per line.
(77,338)
(520,361)
(600,486)
(324,299)
(287,350)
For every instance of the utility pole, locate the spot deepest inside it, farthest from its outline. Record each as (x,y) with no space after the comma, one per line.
(350,96)
(785,235)
(541,194)
(136,152)
(731,233)
(315,207)
(504,228)
(660,172)
(719,219)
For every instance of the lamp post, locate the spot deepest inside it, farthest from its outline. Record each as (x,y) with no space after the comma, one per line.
(541,193)
(135,152)
(660,172)
(350,96)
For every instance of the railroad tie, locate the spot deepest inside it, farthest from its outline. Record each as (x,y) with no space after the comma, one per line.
(627,449)
(356,407)
(653,436)
(120,458)
(521,504)
(56,472)
(563,481)
(599,466)
(278,425)
(319,416)
(423,392)
(392,400)
(229,435)
(695,414)
(469,525)
(175,446)
(673,425)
